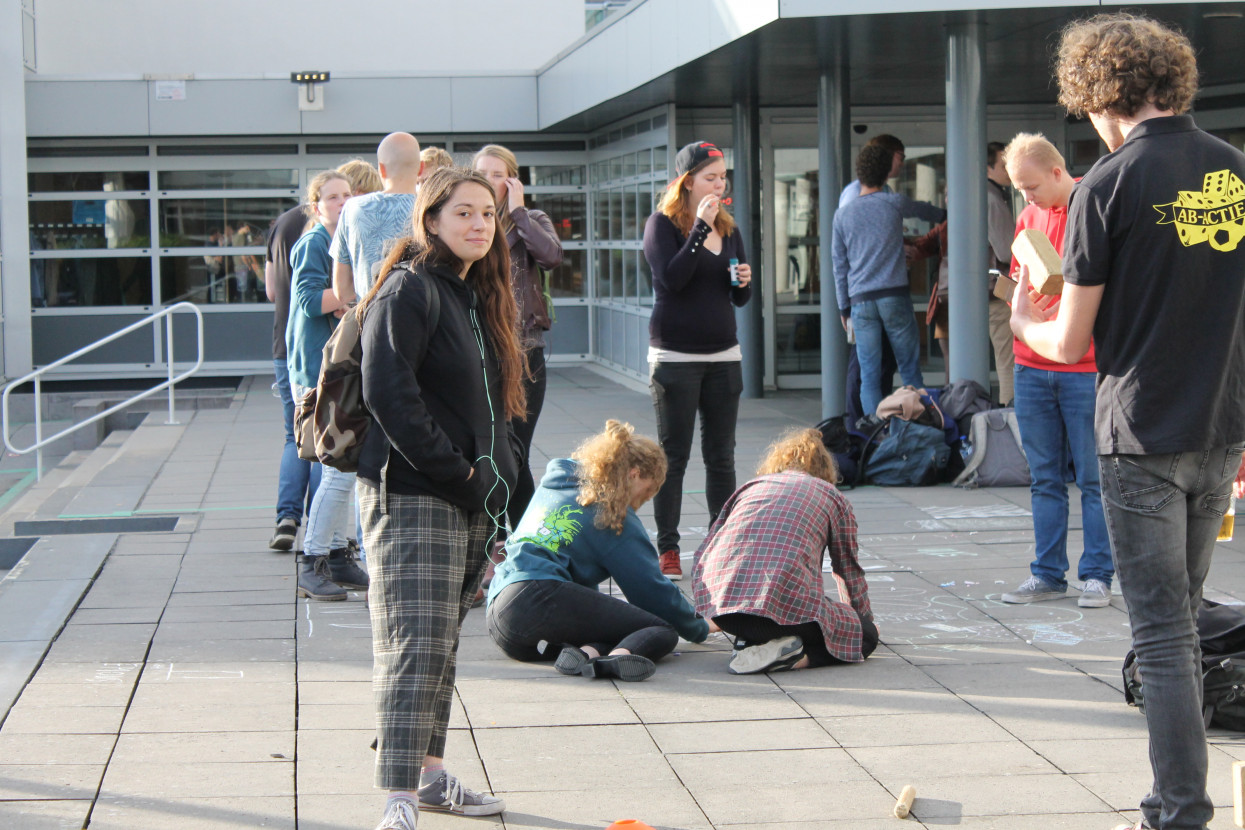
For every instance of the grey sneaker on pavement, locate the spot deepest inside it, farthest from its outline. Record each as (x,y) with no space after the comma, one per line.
(1095,594)
(448,795)
(400,814)
(283,538)
(1034,589)
(776,655)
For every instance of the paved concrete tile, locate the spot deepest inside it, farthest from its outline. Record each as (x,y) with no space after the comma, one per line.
(944,800)
(359,670)
(224,672)
(1125,755)
(44,815)
(176,632)
(725,802)
(115,812)
(313,716)
(346,691)
(674,709)
(572,742)
(33,748)
(225,693)
(829,823)
(206,583)
(1103,820)
(49,781)
(830,703)
(47,695)
(914,729)
(204,747)
(1124,789)
(234,613)
(64,720)
(901,765)
(114,616)
(192,717)
(107,673)
(496,711)
(223,651)
(778,768)
(266,596)
(668,808)
(199,779)
(803,733)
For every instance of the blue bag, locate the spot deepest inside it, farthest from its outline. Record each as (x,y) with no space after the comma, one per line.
(910,455)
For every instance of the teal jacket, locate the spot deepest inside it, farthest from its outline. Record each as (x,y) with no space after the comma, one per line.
(556,539)
(308,328)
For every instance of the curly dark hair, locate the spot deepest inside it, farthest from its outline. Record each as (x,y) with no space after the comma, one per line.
(873,165)
(1118,63)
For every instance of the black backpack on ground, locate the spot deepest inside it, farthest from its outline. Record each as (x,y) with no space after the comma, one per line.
(1221,630)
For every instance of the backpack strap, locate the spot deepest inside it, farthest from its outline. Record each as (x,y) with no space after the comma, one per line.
(434,294)
(867,451)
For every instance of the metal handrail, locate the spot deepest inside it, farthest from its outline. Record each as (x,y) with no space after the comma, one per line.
(40,442)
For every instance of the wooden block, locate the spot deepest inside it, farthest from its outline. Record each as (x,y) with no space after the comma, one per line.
(1032,248)
(1005,288)
(903,805)
(1238,793)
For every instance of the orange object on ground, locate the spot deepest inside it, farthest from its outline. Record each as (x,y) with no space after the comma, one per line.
(629,824)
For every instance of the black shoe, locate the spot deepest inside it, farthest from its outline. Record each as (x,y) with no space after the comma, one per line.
(344,568)
(283,538)
(629,667)
(571,661)
(315,581)
(868,424)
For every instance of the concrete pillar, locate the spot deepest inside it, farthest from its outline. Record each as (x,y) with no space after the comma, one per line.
(834,163)
(746,208)
(14,224)
(966,200)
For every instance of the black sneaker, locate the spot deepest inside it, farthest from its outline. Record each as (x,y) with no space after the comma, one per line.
(315,580)
(631,668)
(571,661)
(283,538)
(344,568)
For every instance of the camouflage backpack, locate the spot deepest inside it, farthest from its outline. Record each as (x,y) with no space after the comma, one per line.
(331,421)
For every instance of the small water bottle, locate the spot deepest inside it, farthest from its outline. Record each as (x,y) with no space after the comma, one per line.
(734,273)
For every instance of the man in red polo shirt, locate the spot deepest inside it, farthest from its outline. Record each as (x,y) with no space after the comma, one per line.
(1055,408)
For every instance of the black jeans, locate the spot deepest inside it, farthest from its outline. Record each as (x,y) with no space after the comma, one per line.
(524,613)
(680,390)
(889,366)
(754,630)
(525,487)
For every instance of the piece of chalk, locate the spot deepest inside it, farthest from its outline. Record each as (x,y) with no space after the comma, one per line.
(1032,248)
(904,803)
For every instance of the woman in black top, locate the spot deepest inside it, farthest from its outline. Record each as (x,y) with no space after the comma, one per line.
(442,374)
(690,244)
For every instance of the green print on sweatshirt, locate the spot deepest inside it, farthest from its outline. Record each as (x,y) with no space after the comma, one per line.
(556,529)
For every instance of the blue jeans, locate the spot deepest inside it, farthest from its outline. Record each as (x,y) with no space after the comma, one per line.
(1055,411)
(1163,513)
(895,316)
(328,520)
(298,479)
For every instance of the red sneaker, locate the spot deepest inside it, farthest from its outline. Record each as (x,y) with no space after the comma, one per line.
(670,566)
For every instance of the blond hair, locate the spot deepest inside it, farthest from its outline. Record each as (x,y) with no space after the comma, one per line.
(801,450)
(1033,147)
(512,170)
(363,177)
(434,158)
(676,204)
(605,464)
(317,183)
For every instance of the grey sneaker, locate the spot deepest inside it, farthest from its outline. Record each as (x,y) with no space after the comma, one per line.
(1095,594)
(400,814)
(776,655)
(448,795)
(1034,589)
(283,538)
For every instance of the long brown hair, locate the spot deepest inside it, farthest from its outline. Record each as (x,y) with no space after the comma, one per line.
(605,464)
(800,450)
(489,277)
(676,203)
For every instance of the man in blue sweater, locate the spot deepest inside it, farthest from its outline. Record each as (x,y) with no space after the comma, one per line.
(870,277)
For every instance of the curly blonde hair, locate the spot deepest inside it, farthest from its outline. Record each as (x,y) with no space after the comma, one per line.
(605,464)
(800,449)
(1118,63)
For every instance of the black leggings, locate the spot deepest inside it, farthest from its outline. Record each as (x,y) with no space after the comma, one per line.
(534,389)
(524,613)
(754,630)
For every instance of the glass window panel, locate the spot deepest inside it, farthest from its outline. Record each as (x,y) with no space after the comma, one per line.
(628,164)
(644,162)
(569,278)
(635,219)
(659,158)
(616,274)
(212,279)
(226,179)
(570,175)
(603,274)
(86,182)
(110,281)
(567,211)
(646,206)
(603,214)
(616,212)
(90,223)
(630,269)
(645,287)
(616,167)
(224,222)
(798,343)
(627,217)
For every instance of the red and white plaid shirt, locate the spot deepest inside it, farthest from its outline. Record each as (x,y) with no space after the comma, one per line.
(763,556)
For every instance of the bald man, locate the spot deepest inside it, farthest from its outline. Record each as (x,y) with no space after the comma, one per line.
(368,224)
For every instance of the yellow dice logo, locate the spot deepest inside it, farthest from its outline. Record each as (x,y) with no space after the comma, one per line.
(1215,214)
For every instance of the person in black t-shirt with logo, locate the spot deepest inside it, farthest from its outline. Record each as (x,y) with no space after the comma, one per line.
(1154,268)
